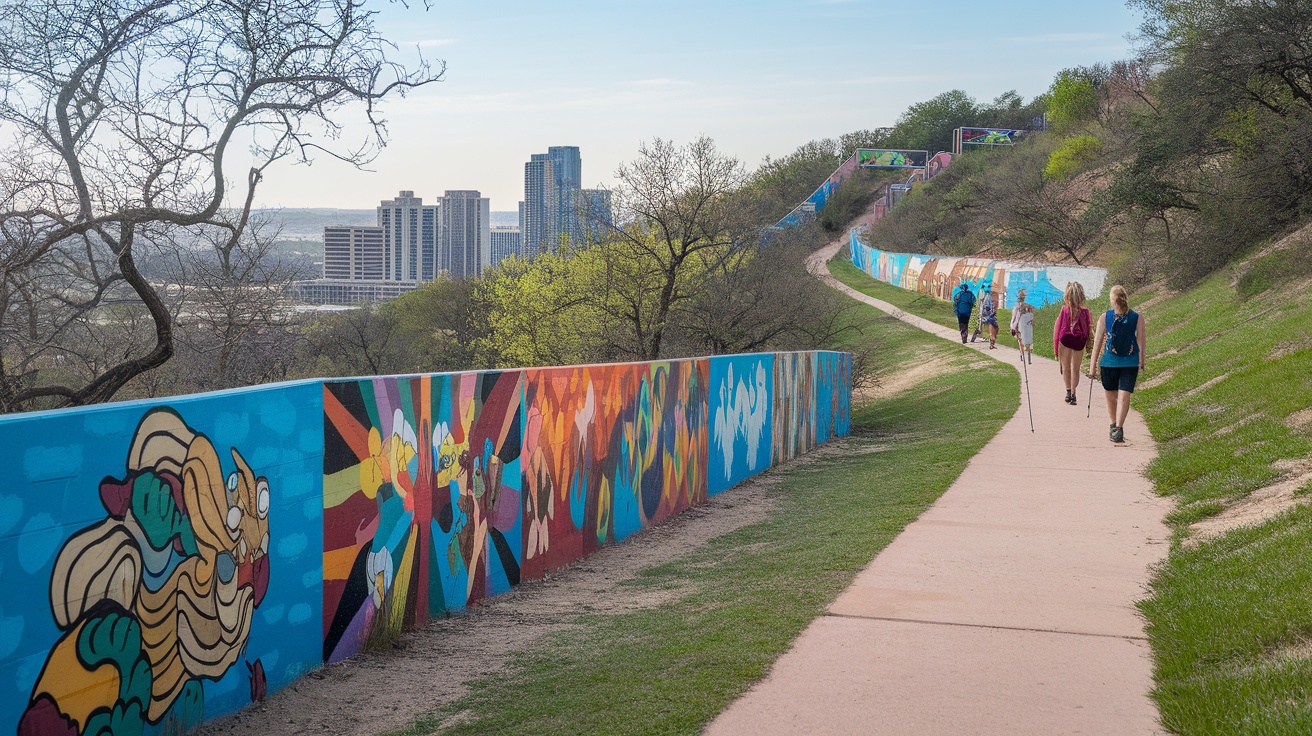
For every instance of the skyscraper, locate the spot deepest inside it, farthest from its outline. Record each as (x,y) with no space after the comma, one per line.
(567,171)
(505,243)
(410,235)
(540,206)
(466,242)
(594,213)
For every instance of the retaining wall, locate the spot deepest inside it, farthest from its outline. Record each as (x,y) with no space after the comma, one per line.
(171,561)
(939,275)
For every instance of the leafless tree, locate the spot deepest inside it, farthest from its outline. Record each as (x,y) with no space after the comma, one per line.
(123,117)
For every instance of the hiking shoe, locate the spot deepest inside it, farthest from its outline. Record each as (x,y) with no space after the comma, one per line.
(1118,434)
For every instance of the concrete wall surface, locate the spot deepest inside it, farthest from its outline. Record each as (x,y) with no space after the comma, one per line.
(166,562)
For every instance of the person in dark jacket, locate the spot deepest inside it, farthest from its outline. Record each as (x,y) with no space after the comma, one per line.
(963,301)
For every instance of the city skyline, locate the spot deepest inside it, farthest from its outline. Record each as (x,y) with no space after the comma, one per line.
(760,78)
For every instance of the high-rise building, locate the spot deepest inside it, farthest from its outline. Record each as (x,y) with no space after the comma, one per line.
(567,171)
(353,252)
(540,207)
(410,237)
(592,213)
(466,242)
(505,243)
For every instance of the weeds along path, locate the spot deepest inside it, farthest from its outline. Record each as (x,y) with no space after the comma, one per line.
(1008,607)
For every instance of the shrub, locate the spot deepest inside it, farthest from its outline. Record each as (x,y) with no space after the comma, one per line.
(1071,156)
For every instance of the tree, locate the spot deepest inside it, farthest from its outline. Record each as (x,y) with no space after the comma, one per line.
(125,114)
(684,216)
(928,125)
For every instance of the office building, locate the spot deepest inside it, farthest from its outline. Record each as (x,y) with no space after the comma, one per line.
(592,211)
(410,237)
(505,243)
(538,232)
(465,239)
(353,252)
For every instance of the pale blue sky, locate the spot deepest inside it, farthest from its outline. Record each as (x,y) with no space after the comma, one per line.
(759,77)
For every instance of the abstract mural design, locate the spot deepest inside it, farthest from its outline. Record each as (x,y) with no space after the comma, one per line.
(160,594)
(741,433)
(610,449)
(878,158)
(833,388)
(939,275)
(421,501)
(794,405)
(277,528)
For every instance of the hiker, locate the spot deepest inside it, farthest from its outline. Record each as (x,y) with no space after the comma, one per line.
(1070,336)
(988,315)
(1022,326)
(1118,350)
(963,301)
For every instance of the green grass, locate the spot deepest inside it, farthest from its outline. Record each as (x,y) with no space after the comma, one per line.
(1229,620)
(671,669)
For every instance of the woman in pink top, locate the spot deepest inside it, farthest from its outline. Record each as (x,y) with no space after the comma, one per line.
(1069,336)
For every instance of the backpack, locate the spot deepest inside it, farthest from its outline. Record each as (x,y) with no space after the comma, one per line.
(1077,327)
(1122,340)
(964,301)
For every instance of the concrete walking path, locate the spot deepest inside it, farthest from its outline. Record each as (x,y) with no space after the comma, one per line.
(1007,607)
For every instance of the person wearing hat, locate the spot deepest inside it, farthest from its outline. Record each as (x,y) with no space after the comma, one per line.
(963,302)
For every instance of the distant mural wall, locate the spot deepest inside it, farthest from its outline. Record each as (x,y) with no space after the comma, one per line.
(939,275)
(169,562)
(816,202)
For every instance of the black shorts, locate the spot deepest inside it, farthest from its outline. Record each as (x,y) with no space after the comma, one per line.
(1119,379)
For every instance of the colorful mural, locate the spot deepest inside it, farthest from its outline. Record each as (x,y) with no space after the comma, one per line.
(939,275)
(740,409)
(421,501)
(989,136)
(610,450)
(172,562)
(793,420)
(816,202)
(878,158)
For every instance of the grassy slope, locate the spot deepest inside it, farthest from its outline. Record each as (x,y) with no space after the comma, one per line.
(1230,620)
(671,669)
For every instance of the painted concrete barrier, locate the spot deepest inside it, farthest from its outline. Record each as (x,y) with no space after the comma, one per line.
(171,561)
(939,275)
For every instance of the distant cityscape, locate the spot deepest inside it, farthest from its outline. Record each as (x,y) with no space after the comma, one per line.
(413,243)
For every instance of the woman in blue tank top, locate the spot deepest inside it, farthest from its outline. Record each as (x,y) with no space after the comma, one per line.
(1118,355)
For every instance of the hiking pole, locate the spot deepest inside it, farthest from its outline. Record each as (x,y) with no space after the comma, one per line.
(1026,371)
(1089,413)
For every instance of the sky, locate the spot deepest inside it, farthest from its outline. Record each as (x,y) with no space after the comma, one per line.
(760,78)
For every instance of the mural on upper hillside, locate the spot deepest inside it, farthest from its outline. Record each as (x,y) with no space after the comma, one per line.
(609,450)
(878,158)
(742,389)
(794,406)
(155,600)
(833,389)
(938,276)
(820,197)
(421,500)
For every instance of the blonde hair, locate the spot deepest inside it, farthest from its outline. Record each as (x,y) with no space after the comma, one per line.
(1074,297)
(1120,299)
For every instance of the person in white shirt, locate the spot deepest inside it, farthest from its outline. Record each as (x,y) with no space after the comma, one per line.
(1022,326)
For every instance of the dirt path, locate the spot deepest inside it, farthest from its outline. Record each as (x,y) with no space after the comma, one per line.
(378,692)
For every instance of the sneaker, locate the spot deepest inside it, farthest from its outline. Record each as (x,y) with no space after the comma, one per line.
(1118,434)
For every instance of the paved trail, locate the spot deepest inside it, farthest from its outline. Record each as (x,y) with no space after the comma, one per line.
(1007,607)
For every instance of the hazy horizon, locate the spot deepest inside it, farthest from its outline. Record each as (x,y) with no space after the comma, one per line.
(760,78)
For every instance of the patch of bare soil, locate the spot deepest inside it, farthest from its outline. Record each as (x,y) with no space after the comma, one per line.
(924,368)
(1258,506)
(1299,419)
(1157,380)
(428,668)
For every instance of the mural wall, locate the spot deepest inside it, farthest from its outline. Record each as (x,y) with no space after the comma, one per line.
(162,562)
(820,197)
(939,275)
(169,562)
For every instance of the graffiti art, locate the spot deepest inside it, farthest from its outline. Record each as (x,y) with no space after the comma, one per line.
(421,501)
(990,136)
(878,158)
(740,409)
(610,450)
(939,275)
(794,405)
(160,594)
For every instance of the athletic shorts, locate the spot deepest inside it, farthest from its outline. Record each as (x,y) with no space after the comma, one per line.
(989,321)
(1119,379)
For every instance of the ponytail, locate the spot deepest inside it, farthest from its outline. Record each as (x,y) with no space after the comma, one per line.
(1120,300)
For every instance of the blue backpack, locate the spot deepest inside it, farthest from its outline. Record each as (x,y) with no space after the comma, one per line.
(1122,337)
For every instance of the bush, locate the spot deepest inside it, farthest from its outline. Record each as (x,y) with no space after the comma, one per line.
(1071,156)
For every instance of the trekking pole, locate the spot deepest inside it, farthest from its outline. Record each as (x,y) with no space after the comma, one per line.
(1089,413)
(1026,371)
